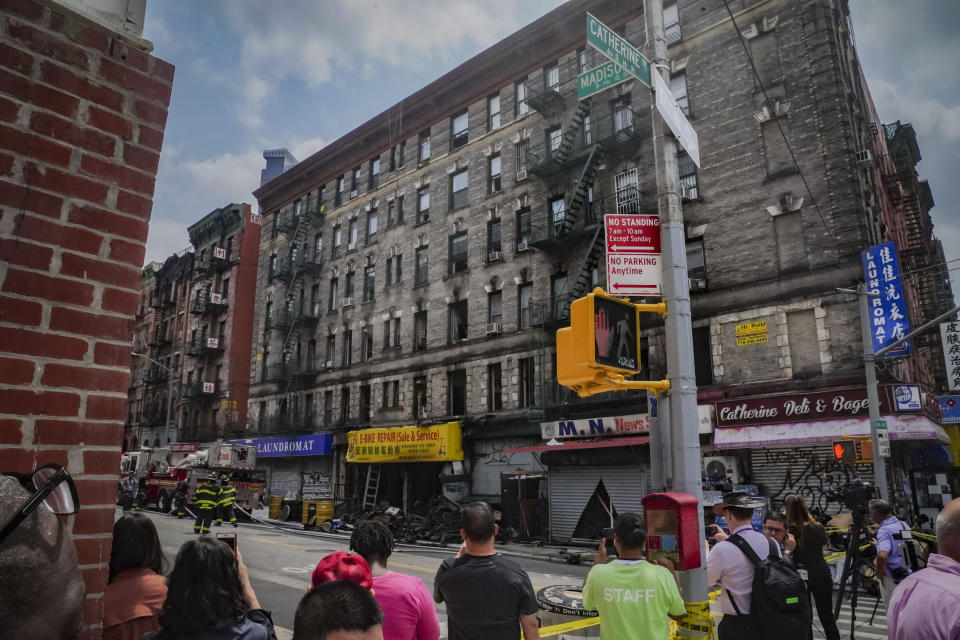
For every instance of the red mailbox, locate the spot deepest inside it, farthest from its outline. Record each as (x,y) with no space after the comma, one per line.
(673,529)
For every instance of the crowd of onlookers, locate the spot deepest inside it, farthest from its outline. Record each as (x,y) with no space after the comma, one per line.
(207,595)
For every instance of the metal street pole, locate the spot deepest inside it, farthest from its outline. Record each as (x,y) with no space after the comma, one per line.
(166,424)
(684,422)
(873,398)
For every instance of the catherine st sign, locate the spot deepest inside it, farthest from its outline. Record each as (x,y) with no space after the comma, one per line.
(615,48)
(600,79)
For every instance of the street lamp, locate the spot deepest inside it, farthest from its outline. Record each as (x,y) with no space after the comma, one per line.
(166,424)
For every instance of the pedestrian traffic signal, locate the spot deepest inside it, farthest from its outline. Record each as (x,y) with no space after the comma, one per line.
(845,450)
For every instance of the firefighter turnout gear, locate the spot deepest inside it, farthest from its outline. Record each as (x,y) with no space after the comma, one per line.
(180,499)
(141,500)
(228,496)
(205,498)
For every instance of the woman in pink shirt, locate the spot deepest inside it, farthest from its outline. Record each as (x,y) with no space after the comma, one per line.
(408,611)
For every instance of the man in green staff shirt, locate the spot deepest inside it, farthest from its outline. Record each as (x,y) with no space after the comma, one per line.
(633,596)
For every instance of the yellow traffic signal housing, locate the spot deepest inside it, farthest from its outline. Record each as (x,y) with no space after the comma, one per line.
(845,450)
(602,345)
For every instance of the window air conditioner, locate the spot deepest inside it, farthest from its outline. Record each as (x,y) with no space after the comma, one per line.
(493,327)
(494,255)
(697,284)
(722,469)
(521,175)
(688,192)
(328,364)
(347,302)
(522,245)
(353,194)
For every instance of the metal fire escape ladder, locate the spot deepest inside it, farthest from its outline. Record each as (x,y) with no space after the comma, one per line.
(581,187)
(295,283)
(590,260)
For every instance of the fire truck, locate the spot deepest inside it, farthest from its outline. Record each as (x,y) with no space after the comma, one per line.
(165,467)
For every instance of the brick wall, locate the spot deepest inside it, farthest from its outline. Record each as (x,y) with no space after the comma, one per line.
(82,115)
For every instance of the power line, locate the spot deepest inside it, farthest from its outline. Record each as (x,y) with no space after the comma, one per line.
(783,134)
(929,268)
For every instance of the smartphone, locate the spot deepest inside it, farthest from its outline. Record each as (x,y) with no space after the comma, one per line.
(607,533)
(230,538)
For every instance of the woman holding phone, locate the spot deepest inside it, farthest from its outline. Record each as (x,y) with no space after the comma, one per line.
(808,555)
(209,597)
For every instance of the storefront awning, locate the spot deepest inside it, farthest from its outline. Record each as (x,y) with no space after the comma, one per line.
(901,427)
(571,445)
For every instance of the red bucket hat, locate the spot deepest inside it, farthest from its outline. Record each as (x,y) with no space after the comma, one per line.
(341,565)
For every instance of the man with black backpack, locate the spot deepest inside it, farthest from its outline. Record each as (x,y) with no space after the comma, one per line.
(762,595)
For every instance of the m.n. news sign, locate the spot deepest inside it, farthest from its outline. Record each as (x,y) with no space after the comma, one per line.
(585,428)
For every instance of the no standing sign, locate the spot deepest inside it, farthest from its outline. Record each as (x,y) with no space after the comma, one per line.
(633,255)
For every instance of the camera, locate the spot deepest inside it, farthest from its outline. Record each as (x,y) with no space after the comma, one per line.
(853,494)
(607,533)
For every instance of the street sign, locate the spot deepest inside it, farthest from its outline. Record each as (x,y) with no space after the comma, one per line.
(888,309)
(600,79)
(950,340)
(616,48)
(633,254)
(673,115)
(883,439)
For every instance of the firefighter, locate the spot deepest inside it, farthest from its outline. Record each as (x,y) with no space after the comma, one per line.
(141,499)
(205,499)
(180,499)
(127,487)
(228,495)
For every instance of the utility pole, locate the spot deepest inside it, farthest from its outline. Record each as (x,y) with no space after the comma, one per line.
(166,423)
(873,398)
(684,421)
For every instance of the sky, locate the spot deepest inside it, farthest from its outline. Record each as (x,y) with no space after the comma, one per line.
(250,77)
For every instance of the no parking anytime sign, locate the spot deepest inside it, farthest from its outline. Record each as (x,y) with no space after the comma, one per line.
(633,255)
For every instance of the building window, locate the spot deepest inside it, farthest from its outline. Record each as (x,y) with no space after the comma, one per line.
(628,192)
(702,356)
(337,240)
(396,155)
(583,60)
(391,214)
(520,93)
(689,188)
(459,130)
(524,229)
(457,321)
(391,394)
(421,266)
(275,228)
(424,145)
(420,331)
(369,282)
(671,23)
(420,397)
(364,403)
(678,87)
(559,302)
(327,408)
(396,333)
(264,366)
(554,140)
(374,177)
(558,215)
(423,205)
(354,181)
(457,392)
(524,299)
(366,343)
(587,131)
(349,286)
(399,209)
(457,260)
(334,284)
(373,222)
(494,246)
(527,382)
(551,78)
(331,349)
(495,311)
(459,187)
(493,182)
(521,152)
(622,119)
(346,357)
(804,347)
(493,112)
(338,196)
(791,241)
(391,333)
(352,235)
(317,248)
(273,266)
(494,387)
(344,405)
(397,268)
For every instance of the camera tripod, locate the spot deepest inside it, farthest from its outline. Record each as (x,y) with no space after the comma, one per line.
(853,563)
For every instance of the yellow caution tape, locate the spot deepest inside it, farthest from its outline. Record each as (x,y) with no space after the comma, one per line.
(697,623)
(835,556)
(557,629)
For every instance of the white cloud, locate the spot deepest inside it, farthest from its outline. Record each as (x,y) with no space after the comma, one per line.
(165,237)
(930,117)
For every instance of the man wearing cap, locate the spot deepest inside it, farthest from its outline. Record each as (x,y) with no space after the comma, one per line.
(727,565)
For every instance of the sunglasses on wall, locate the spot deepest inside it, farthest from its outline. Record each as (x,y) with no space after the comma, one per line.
(51,486)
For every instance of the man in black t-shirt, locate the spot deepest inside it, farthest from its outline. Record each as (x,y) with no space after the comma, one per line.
(487,596)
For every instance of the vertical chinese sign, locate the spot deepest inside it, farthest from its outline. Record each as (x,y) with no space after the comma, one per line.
(950,338)
(888,308)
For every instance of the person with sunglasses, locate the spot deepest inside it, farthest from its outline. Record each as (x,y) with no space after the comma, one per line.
(41,587)
(775,527)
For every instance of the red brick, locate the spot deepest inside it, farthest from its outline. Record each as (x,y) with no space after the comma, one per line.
(120,301)
(27,144)
(9,110)
(164,70)
(90,324)
(78,266)
(10,431)
(51,403)
(25,254)
(150,137)
(132,79)
(129,252)
(150,112)
(14,371)
(93,37)
(73,238)
(101,462)
(141,158)
(110,122)
(37,285)
(130,56)
(21,198)
(68,432)
(89,139)
(16,340)
(56,21)
(64,376)
(117,174)
(109,222)
(72,83)
(94,520)
(94,578)
(16,59)
(102,491)
(18,311)
(6,164)
(132,203)
(26,8)
(65,183)
(48,45)
(26,460)
(23,312)
(112,355)
(16,86)
(93,550)
(106,408)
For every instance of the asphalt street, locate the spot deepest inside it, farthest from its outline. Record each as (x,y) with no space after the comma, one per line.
(280,562)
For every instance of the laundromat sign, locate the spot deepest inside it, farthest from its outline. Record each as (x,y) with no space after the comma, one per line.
(436,443)
(614,426)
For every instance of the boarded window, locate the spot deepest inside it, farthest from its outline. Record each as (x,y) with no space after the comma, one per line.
(791,244)
(804,346)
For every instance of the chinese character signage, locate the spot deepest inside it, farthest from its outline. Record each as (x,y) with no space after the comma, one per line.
(950,338)
(436,443)
(888,307)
